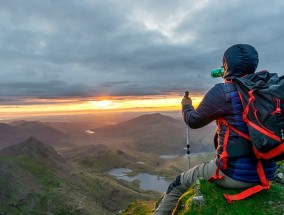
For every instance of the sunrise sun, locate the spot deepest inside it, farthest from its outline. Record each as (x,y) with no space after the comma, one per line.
(103,104)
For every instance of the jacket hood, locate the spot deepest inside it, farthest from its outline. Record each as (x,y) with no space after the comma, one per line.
(239,60)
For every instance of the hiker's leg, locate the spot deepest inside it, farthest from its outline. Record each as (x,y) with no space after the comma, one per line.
(184,181)
(206,171)
(175,190)
(228,182)
(181,185)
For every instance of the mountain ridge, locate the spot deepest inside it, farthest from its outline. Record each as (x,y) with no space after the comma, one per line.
(157,133)
(39,152)
(11,135)
(19,131)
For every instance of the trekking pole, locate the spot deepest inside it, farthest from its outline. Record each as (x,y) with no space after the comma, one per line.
(187,146)
(187,132)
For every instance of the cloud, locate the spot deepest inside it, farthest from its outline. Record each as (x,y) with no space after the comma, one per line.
(68,48)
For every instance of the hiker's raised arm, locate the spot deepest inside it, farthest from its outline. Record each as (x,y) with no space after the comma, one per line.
(210,108)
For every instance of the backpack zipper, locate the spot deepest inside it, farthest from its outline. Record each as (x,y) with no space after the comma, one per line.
(278,107)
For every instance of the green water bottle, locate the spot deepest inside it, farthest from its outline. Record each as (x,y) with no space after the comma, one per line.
(216,73)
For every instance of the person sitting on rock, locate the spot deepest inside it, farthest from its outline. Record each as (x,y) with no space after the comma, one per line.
(222,101)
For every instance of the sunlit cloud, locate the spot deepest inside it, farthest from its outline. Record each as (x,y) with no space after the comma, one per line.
(156,102)
(88,105)
(105,55)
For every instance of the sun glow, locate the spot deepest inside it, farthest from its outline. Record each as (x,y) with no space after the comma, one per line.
(92,105)
(103,104)
(162,103)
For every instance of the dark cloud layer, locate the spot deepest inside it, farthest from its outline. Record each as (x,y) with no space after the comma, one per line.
(70,48)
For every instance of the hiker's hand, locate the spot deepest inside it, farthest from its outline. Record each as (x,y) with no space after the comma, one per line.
(186,101)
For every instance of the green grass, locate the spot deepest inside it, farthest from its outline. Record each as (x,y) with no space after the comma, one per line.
(45,177)
(140,208)
(268,202)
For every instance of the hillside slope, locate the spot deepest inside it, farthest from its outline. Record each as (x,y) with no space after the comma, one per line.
(11,135)
(18,131)
(35,179)
(158,134)
(43,132)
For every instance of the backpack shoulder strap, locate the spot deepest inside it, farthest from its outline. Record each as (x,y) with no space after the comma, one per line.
(224,155)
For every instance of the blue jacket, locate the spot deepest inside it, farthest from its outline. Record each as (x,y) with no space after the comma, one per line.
(223,101)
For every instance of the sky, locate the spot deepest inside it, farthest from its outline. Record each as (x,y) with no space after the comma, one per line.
(70,55)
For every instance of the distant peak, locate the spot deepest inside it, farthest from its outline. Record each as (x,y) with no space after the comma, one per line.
(23,123)
(156,116)
(18,122)
(31,146)
(4,125)
(34,143)
(33,140)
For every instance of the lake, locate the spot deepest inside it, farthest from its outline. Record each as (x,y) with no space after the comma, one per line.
(147,181)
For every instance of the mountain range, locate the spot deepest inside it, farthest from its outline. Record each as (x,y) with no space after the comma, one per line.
(19,131)
(39,175)
(156,133)
(47,168)
(151,133)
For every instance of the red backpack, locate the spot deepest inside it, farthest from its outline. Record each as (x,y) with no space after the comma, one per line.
(262,96)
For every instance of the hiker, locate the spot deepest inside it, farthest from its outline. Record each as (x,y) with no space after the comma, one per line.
(222,101)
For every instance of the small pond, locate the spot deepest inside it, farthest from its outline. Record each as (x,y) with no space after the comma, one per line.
(147,181)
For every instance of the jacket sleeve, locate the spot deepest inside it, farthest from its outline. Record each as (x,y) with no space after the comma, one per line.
(211,107)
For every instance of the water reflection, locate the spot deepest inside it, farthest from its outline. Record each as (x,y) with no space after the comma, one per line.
(90,132)
(147,181)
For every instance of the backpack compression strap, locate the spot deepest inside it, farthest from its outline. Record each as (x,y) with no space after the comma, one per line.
(250,191)
(273,152)
(260,128)
(224,155)
(265,185)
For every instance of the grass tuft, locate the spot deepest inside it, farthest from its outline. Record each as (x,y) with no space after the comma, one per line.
(267,202)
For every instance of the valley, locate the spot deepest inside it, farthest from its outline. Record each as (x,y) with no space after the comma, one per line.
(62,169)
